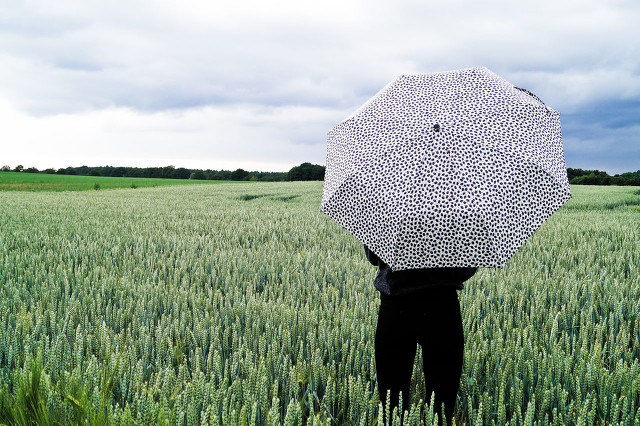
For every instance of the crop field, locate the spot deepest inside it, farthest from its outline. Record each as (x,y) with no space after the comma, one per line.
(36,182)
(243,304)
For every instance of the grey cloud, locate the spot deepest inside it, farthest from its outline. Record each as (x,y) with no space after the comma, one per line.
(604,135)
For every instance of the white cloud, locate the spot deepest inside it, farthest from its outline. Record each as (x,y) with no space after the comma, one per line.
(250,137)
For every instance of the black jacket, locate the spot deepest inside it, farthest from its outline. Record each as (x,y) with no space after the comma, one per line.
(414,281)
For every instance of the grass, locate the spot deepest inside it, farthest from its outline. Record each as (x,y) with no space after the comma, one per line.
(243,304)
(41,182)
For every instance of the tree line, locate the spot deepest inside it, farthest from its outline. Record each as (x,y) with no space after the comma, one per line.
(598,177)
(305,171)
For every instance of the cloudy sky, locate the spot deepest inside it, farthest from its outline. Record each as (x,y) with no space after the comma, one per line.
(257,84)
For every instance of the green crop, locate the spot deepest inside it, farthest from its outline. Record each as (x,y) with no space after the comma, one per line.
(243,304)
(43,182)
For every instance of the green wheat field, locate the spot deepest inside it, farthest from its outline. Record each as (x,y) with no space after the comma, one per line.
(36,182)
(236,304)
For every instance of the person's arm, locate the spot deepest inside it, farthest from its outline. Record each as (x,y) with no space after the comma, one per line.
(470,272)
(461,274)
(371,256)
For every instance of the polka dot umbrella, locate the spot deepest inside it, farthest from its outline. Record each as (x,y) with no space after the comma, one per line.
(450,169)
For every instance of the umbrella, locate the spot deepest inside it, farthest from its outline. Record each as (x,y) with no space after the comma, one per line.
(449,169)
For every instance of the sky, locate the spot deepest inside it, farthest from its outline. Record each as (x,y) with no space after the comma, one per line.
(258,84)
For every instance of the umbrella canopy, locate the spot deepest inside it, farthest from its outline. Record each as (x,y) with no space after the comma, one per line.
(450,169)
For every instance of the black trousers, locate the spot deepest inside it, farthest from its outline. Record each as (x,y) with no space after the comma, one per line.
(431,319)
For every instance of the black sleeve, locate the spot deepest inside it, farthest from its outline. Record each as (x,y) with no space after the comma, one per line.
(468,273)
(371,256)
(460,274)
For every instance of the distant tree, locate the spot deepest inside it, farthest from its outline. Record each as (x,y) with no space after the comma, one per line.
(134,172)
(317,172)
(239,174)
(588,177)
(182,173)
(216,176)
(32,170)
(306,171)
(573,173)
(119,171)
(155,172)
(49,171)
(198,175)
(18,168)
(83,170)
(168,172)
(5,168)
(95,172)
(629,178)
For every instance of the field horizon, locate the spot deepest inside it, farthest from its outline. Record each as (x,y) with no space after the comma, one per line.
(43,182)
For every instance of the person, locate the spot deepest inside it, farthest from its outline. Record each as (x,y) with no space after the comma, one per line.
(419,306)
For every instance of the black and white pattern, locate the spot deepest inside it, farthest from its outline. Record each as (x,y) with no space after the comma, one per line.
(450,169)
